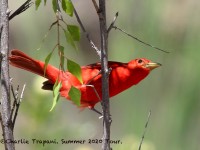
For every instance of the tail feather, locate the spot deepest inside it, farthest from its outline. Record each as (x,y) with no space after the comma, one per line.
(23,61)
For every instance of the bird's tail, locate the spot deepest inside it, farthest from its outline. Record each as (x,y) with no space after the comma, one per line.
(23,61)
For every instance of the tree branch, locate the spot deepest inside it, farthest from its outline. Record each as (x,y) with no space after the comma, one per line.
(5,81)
(105,76)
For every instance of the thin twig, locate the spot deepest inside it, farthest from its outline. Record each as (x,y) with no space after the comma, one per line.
(92,86)
(95,5)
(93,45)
(53,24)
(58,13)
(88,83)
(87,34)
(15,96)
(17,106)
(45,36)
(59,17)
(95,91)
(22,93)
(98,112)
(21,9)
(145,129)
(145,43)
(113,22)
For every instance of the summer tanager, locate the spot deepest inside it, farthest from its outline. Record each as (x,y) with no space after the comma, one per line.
(122,76)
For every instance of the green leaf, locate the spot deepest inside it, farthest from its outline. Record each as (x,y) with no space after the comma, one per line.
(74,31)
(74,69)
(56,93)
(37,4)
(75,95)
(62,59)
(55,5)
(69,38)
(47,62)
(72,34)
(67,6)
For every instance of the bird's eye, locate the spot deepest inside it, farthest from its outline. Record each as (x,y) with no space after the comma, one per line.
(140,61)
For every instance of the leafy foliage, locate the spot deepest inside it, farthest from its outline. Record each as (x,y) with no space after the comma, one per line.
(75,69)
(47,62)
(56,93)
(75,95)
(69,38)
(67,6)
(74,31)
(72,34)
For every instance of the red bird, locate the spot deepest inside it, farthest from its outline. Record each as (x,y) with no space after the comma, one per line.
(122,76)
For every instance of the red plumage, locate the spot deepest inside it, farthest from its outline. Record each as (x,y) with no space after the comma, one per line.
(122,76)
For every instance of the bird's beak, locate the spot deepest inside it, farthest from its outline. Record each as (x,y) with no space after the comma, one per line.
(152,65)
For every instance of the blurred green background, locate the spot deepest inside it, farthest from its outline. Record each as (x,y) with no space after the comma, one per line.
(172,92)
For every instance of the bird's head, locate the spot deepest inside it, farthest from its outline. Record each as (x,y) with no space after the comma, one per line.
(140,68)
(143,64)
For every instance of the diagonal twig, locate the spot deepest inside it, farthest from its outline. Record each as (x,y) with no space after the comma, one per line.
(95,5)
(16,104)
(15,96)
(21,9)
(145,129)
(46,35)
(113,22)
(145,43)
(87,34)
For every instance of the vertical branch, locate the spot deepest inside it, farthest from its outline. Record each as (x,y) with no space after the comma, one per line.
(5,81)
(105,76)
